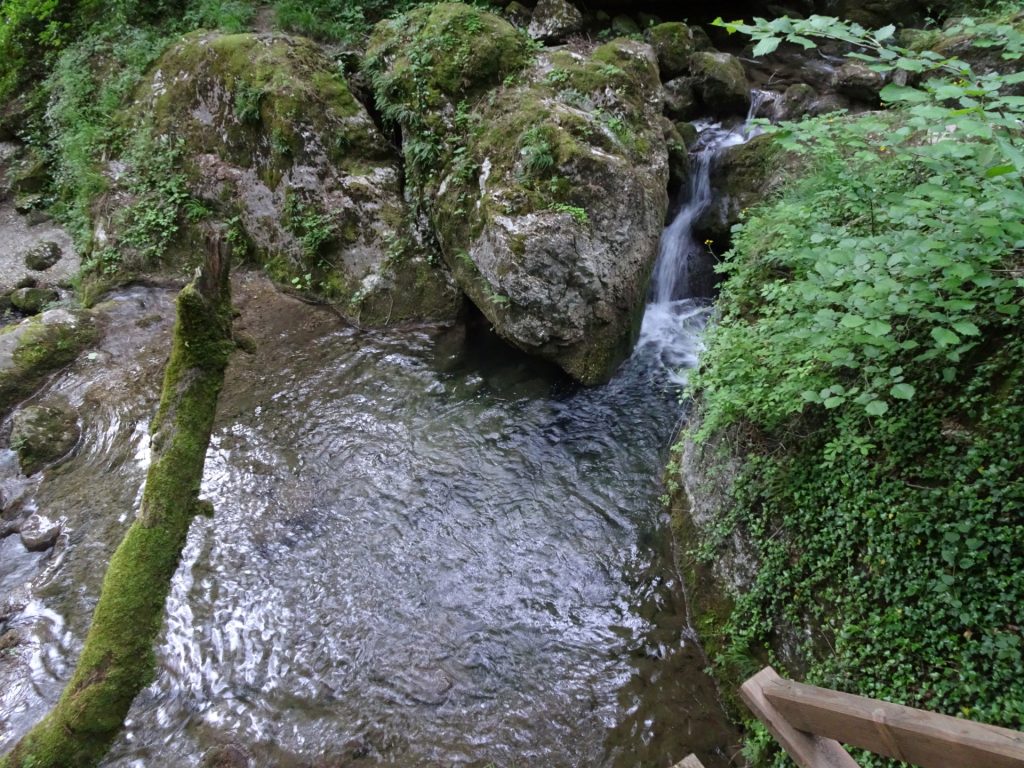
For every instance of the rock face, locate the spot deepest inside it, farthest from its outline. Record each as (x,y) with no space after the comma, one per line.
(550,210)
(555,20)
(275,143)
(36,347)
(43,434)
(720,82)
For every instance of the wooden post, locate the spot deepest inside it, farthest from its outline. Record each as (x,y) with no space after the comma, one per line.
(807,751)
(927,739)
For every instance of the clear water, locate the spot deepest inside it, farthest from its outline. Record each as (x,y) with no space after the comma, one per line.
(427,549)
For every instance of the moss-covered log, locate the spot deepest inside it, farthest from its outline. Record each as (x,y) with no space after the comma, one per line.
(118,660)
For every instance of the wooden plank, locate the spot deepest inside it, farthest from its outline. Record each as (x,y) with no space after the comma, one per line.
(921,738)
(690,761)
(807,751)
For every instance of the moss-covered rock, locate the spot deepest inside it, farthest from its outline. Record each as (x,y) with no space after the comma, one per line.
(271,139)
(859,82)
(674,43)
(42,434)
(32,300)
(550,217)
(720,82)
(555,20)
(624,26)
(36,347)
(744,175)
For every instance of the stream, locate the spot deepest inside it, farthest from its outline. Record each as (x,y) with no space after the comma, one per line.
(428,550)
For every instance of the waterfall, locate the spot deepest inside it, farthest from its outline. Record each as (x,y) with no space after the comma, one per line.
(675,316)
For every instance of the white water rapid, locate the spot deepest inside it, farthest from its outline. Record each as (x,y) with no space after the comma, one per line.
(676,312)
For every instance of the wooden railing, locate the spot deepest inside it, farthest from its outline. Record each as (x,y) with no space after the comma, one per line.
(813,723)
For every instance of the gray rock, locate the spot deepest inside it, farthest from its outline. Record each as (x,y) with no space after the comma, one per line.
(43,256)
(743,176)
(43,434)
(720,82)
(555,240)
(796,101)
(555,20)
(33,300)
(680,99)
(316,189)
(674,44)
(36,347)
(39,533)
(679,165)
(859,82)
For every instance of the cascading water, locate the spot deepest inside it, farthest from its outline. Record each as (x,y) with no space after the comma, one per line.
(677,308)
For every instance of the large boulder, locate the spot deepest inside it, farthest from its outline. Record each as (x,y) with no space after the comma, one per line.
(720,82)
(270,139)
(36,347)
(544,176)
(555,20)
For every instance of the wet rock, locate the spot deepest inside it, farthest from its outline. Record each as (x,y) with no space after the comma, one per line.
(274,139)
(877,13)
(674,44)
(36,347)
(43,434)
(743,176)
(10,639)
(720,83)
(680,99)
(39,533)
(679,165)
(27,281)
(689,133)
(43,256)
(32,300)
(555,20)
(560,229)
(859,82)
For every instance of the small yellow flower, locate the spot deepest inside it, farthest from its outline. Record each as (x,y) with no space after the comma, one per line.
(708,242)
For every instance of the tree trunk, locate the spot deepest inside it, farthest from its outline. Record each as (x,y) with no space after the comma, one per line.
(118,659)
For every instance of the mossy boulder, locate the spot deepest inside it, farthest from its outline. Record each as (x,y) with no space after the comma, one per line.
(423,65)
(272,140)
(742,176)
(720,82)
(674,43)
(624,26)
(43,434)
(32,300)
(555,20)
(37,347)
(550,216)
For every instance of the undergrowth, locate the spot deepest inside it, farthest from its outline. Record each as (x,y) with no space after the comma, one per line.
(868,349)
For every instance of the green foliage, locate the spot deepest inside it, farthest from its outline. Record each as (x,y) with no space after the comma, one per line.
(580,214)
(855,282)
(314,228)
(868,352)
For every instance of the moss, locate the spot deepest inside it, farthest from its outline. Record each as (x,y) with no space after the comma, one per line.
(117,660)
(673,42)
(42,346)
